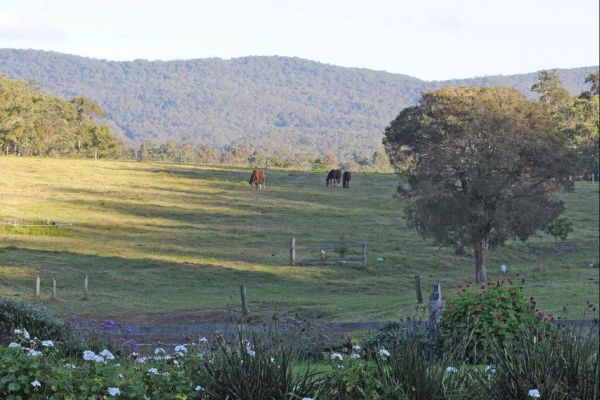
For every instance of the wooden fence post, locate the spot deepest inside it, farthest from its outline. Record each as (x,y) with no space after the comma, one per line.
(53,288)
(364,255)
(37,286)
(418,289)
(85,288)
(244,296)
(435,304)
(293,251)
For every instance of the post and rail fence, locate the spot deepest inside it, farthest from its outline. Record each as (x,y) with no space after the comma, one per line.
(331,253)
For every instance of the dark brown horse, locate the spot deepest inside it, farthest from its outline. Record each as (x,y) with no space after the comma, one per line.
(346,179)
(258,179)
(335,175)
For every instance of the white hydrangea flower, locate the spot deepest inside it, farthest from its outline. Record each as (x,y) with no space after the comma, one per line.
(203,340)
(36,383)
(384,353)
(357,348)
(534,393)
(307,398)
(69,365)
(89,355)
(181,349)
(451,369)
(22,332)
(251,353)
(14,345)
(355,356)
(113,391)
(159,350)
(199,388)
(337,356)
(47,343)
(153,371)
(99,359)
(107,354)
(120,376)
(34,353)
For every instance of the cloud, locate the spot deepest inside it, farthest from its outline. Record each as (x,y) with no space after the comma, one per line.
(18,29)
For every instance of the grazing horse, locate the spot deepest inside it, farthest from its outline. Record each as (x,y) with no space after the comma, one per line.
(333,176)
(346,179)
(257,179)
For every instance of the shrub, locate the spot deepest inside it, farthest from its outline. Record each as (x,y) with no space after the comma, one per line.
(34,318)
(560,228)
(493,311)
(255,371)
(407,370)
(560,364)
(392,333)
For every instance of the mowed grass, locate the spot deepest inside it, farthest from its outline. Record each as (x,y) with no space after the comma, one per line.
(156,237)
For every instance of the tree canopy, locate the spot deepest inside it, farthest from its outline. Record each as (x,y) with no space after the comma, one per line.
(38,124)
(481,167)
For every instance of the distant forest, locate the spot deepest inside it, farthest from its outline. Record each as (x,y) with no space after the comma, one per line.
(268,106)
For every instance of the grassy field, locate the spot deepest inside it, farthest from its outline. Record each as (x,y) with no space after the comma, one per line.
(163,237)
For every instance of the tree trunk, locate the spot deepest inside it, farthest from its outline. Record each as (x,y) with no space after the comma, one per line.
(480,251)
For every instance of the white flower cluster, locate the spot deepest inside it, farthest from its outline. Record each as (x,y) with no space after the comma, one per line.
(181,349)
(36,383)
(490,369)
(100,358)
(355,352)
(337,356)
(452,370)
(152,371)
(384,353)
(535,393)
(47,343)
(113,391)
(199,388)
(249,350)
(22,332)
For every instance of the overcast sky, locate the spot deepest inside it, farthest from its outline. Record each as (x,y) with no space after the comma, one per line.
(429,39)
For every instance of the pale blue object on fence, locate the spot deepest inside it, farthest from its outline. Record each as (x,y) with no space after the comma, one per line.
(504,268)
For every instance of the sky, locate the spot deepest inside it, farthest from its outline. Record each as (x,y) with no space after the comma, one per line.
(428,39)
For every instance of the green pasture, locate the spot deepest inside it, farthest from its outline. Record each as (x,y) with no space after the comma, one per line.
(156,237)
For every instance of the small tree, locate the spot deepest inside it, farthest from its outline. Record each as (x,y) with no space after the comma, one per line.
(481,167)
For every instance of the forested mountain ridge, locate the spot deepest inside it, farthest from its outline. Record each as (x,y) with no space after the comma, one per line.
(270,103)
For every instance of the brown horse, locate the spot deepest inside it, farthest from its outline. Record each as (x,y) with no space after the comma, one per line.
(335,175)
(258,179)
(346,179)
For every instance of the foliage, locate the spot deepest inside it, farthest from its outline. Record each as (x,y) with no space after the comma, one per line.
(560,228)
(35,318)
(578,117)
(292,107)
(494,311)
(562,364)
(392,333)
(406,370)
(483,167)
(38,124)
(255,370)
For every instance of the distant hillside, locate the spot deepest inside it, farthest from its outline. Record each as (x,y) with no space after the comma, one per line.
(271,103)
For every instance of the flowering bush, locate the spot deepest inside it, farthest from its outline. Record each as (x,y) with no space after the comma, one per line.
(479,314)
(35,319)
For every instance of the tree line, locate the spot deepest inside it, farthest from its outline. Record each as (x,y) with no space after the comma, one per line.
(33,123)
